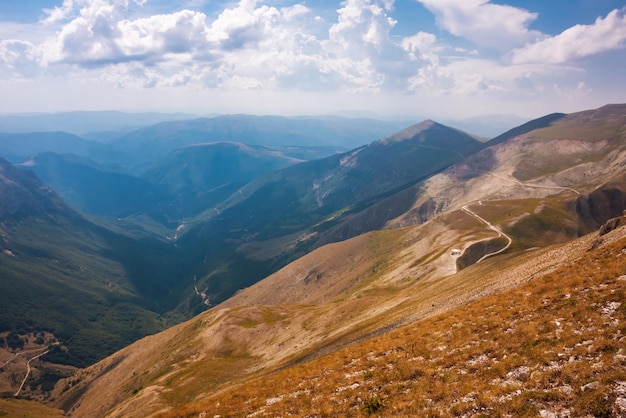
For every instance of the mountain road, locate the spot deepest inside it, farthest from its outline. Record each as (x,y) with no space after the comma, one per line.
(493,228)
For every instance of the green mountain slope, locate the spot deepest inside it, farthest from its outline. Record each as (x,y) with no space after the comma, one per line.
(94,189)
(307,199)
(202,175)
(94,290)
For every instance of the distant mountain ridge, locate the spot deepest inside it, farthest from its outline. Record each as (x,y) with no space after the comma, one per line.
(18,147)
(156,141)
(302,206)
(94,189)
(81,122)
(200,176)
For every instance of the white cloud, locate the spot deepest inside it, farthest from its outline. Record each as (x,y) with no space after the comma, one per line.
(253,49)
(18,58)
(59,13)
(577,42)
(484,23)
(101,35)
(419,45)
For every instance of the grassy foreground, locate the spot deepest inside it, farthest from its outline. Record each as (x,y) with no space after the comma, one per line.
(554,346)
(13,408)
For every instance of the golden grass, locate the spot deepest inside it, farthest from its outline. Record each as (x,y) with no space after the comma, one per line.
(14,408)
(554,344)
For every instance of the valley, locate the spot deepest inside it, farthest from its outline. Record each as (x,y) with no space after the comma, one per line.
(231,278)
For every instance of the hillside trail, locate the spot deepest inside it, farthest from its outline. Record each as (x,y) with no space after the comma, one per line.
(536,186)
(28,371)
(500,233)
(493,228)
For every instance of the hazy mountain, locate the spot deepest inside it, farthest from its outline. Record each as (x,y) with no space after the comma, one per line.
(202,175)
(317,189)
(18,147)
(94,189)
(23,195)
(92,290)
(156,141)
(82,122)
(296,205)
(487,126)
(184,183)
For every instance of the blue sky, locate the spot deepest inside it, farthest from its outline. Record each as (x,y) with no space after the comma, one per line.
(427,58)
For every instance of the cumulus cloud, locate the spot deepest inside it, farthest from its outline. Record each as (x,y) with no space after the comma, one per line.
(361,53)
(101,35)
(483,23)
(18,58)
(253,46)
(59,13)
(577,42)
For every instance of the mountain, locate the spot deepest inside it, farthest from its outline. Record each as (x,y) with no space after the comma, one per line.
(19,147)
(72,286)
(154,142)
(344,181)
(290,211)
(84,122)
(202,175)
(487,126)
(183,184)
(558,154)
(493,242)
(94,189)
(302,267)
(550,347)
(390,325)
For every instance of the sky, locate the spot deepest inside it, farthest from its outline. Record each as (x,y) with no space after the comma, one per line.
(433,58)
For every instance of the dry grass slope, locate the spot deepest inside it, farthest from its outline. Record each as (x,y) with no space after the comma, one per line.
(555,346)
(14,408)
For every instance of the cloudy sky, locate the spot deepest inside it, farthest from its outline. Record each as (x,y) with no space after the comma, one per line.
(434,58)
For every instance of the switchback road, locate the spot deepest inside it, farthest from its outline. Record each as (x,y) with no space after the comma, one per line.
(493,228)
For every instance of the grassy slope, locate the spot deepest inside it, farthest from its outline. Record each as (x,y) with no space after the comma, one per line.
(17,408)
(554,344)
(337,295)
(65,284)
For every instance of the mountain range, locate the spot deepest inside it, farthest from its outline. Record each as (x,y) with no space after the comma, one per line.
(283,258)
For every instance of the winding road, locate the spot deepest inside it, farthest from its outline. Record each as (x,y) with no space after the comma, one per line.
(534,186)
(496,229)
(493,228)
(28,371)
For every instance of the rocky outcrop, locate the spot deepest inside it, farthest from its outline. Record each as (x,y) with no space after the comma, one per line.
(599,206)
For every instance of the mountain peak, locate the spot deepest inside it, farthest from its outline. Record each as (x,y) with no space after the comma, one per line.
(434,135)
(412,131)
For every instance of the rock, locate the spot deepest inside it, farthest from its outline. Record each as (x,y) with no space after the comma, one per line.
(590,386)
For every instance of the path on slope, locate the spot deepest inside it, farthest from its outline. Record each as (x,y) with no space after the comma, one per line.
(535,186)
(28,371)
(493,228)
(498,230)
